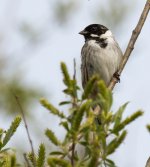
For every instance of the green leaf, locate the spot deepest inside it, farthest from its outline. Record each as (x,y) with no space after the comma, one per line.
(89,87)
(67,79)
(94,159)
(79,115)
(51,136)
(4,150)
(102,102)
(65,125)
(127,121)
(84,143)
(1,145)
(32,158)
(7,161)
(56,153)
(68,91)
(53,162)
(72,91)
(86,126)
(148,127)
(118,115)
(1,133)
(64,103)
(110,163)
(105,118)
(51,108)
(70,83)
(105,96)
(13,161)
(41,156)
(74,88)
(115,143)
(10,132)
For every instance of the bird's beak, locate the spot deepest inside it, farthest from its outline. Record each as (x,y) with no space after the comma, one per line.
(83,32)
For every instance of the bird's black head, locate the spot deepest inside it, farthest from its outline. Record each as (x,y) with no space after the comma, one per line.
(93,31)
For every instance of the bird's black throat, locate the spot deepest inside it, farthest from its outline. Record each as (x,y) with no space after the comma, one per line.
(101,41)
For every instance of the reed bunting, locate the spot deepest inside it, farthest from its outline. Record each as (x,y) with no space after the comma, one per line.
(100,54)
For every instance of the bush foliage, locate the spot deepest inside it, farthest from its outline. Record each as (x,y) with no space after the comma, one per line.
(93,130)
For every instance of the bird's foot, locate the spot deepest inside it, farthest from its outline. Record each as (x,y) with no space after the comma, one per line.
(117,76)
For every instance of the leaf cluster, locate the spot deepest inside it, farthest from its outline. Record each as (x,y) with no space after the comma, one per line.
(7,156)
(37,160)
(97,140)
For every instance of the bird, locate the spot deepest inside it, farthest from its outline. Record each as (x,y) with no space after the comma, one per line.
(100,54)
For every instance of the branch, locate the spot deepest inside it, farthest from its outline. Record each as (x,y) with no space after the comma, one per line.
(74,65)
(74,105)
(26,126)
(131,43)
(127,53)
(148,162)
(26,160)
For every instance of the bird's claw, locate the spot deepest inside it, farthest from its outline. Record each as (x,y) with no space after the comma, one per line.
(117,76)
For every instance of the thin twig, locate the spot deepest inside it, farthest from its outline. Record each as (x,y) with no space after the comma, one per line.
(72,154)
(74,99)
(131,43)
(73,105)
(74,65)
(26,159)
(26,126)
(70,146)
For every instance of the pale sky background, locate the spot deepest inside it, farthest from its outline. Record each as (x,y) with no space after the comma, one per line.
(41,67)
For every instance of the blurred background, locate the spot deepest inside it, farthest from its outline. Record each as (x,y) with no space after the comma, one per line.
(36,35)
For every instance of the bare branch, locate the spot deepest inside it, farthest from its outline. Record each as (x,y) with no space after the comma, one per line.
(131,43)
(27,162)
(26,126)
(73,105)
(130,48)
(148,162)
(74,65)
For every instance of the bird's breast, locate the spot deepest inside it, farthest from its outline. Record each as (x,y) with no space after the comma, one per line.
(103,61)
